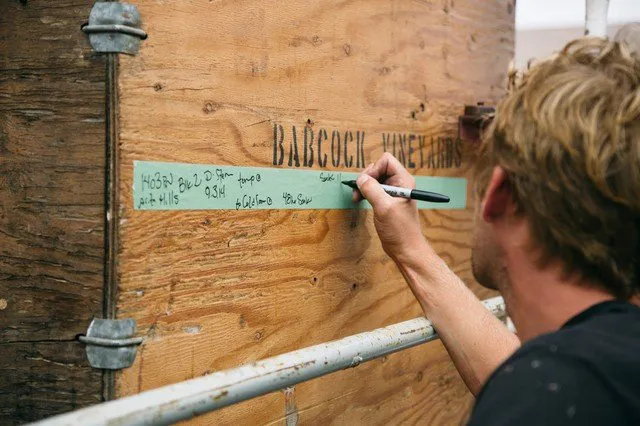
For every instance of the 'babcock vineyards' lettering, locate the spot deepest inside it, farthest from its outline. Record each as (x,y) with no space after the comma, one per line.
(415,151)
(343,149)
(336,148)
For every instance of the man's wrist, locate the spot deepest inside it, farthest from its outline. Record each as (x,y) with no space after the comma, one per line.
(414,262)
(426,273)
(415,255)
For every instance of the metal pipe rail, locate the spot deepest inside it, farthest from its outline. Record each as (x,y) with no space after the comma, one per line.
(595,21)
(184,400)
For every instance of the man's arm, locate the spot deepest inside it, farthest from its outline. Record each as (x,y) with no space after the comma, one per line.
(476,340)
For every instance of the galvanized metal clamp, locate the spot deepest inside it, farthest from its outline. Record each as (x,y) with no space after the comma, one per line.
(474,120)
(110,343)
(114,27)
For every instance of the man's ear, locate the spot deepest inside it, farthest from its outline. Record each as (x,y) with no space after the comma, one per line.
(498,199)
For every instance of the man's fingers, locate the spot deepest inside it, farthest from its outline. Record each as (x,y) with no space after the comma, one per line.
(372,191)
(357,196)
(388,166)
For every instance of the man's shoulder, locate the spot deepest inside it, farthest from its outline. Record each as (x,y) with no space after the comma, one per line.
(586,373)
(606,342)
(602,346)
(541,385)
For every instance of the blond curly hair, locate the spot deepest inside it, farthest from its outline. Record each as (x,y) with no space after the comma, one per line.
(568,136)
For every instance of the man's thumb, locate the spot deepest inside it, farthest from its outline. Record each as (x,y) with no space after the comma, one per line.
(372,191)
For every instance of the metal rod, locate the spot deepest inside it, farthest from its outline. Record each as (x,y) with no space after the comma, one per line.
(114,28)
(110,343)
(596,18)
(184,400)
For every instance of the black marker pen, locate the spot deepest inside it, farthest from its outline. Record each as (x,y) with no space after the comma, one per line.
(413,194)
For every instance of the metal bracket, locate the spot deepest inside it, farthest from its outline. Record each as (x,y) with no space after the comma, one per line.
(475,119)
(110,343)
(114,27)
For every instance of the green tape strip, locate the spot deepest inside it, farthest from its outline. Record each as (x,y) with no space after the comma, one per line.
(179,186)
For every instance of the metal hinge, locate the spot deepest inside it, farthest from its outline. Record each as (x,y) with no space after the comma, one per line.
(114,27)
(110,343)
(475,119)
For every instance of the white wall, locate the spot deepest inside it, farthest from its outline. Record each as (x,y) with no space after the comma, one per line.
(545,26)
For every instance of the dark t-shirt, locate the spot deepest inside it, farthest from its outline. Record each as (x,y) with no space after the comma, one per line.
(586,373)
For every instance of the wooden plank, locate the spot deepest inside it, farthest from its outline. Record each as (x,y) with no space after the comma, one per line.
(217,83)
(52,159)
(38,379)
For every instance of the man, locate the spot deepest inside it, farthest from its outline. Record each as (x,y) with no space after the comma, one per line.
(557,232)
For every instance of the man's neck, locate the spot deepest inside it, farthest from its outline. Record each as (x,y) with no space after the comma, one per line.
(542,300)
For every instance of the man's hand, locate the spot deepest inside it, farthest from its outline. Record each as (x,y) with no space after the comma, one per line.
(396,219)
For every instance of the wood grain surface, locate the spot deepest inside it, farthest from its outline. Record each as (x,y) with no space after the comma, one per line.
(52,158)
(231,83)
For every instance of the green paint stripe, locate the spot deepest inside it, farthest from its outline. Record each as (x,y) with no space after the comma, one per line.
(179,186)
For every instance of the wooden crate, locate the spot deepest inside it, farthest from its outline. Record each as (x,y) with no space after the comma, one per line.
(224,83)
(52,189)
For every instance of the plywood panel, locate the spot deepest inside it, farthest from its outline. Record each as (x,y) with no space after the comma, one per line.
(52,158)
(231,82)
